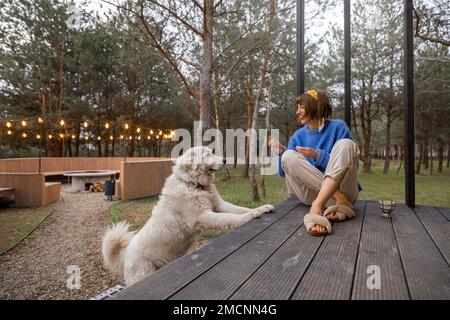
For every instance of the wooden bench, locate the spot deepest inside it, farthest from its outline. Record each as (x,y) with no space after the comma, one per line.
(6,193)
(54,173)
(30,189)
(51,192)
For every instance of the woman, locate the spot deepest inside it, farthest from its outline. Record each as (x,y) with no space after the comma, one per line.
(320,164)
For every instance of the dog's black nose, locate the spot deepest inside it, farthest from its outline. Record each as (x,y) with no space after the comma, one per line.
(224,161)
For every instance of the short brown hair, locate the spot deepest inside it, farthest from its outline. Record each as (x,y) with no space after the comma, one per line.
(315,109)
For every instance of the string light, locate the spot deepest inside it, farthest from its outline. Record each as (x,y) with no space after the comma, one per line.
(159,133)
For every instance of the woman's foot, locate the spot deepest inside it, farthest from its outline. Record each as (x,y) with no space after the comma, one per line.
(317,209)
(341,199)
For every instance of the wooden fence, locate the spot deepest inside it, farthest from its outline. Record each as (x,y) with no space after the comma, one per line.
(139,177)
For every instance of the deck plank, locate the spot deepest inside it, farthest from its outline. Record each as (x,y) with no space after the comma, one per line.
(170,279)
(224,278)
(275,258)
(330,275)
(278,277)
(445,212)
(378,247)
(438,228)
(427,272)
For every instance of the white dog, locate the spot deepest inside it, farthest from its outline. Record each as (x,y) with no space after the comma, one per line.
(188,203)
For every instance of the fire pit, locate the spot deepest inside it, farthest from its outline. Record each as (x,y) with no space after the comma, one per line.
(81,178)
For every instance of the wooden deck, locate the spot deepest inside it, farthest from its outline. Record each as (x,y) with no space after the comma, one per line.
(275,258)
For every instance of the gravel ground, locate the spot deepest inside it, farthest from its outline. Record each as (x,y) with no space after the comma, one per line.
(71,235)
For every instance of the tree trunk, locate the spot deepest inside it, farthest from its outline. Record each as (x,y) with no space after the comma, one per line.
(130,147)
(139,148)
(389,111)
(366,128)
(216,101)
(59,102)
(268,127)
(235,155)
(258,98)
(206,68)
(99,148)
(69,147)
(420,156)
(250,107)
(226,174)
(440,155)
(400,155)
(113,143)
(1,142)
(77,141)
(448,156)
(387,156)
(431,158)
(426,153)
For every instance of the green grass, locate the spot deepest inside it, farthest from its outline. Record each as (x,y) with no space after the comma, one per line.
(135,212)
(237,190)
(17,223)
(430,190)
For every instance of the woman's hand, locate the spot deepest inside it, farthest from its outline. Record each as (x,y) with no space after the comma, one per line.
(275,145)
(308,152)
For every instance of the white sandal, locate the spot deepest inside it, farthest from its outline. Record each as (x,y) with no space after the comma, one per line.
(311,220)
(342,212)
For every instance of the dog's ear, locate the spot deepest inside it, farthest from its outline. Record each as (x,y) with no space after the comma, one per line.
(187,160)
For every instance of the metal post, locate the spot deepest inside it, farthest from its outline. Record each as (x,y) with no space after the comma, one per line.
(409,103)
(348,63)
(300,47)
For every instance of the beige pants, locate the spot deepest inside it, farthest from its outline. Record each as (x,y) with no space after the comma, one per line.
(303,180)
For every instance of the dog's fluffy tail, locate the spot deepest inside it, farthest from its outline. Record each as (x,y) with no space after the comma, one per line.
(116,239)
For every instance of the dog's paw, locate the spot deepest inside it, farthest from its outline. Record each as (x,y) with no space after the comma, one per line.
(255,213)
(266,208)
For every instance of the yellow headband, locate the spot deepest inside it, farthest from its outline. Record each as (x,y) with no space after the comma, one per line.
(314,94)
